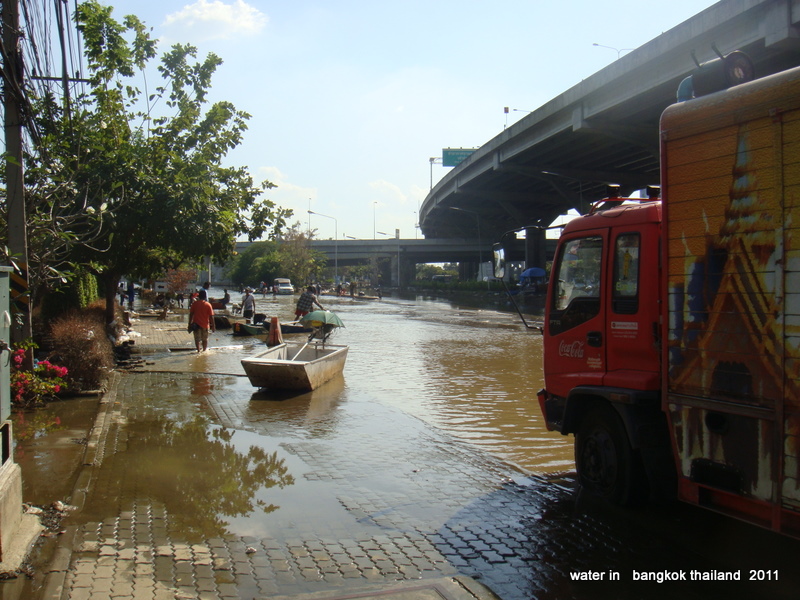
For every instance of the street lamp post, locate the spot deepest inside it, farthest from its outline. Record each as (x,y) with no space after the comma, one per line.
(309,218)
(434,160)
(335,243)
(619,51)
(397,235)
(480,248)
(506,111)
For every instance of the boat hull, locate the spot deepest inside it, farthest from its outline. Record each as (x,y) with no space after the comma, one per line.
(248,329)
(301,367)
(295,327)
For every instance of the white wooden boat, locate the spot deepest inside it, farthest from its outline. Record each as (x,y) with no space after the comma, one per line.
(302,367)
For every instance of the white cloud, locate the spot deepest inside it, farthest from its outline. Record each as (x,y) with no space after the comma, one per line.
(287,194)
(389,192)
(215,19)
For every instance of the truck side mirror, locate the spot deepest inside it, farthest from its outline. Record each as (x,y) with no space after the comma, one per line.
(499,254)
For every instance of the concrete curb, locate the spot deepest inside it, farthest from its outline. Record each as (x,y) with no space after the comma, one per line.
(53,587)
(451,588)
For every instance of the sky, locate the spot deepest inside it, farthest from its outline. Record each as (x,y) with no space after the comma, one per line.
(350,99)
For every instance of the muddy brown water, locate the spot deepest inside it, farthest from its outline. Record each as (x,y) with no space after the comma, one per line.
(471,372)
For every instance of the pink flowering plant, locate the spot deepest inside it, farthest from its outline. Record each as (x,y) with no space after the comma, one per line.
(29,388)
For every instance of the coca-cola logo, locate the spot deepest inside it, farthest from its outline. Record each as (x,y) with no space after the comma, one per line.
(571,350)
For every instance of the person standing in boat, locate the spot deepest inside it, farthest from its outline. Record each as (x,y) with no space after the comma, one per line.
(248,305)
(306,302)
(201,319)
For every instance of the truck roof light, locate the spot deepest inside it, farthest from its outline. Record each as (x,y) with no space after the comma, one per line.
(612,190)
(653,191)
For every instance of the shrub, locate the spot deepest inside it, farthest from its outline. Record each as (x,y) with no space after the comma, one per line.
(78,293)
(81,345)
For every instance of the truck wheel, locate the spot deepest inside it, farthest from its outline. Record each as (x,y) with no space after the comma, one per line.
(606,464)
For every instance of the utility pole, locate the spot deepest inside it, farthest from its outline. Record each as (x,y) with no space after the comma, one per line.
(17,233)
(18,531)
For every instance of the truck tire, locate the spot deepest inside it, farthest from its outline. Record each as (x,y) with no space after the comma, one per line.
(607,465)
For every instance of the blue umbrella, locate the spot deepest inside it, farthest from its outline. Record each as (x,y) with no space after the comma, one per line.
(533,272)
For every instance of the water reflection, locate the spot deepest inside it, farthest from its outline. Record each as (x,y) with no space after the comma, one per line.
(357,459)
(48,445)
(286,413)
(195,470)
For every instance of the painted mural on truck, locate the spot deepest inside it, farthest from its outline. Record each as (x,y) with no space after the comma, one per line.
(734,306)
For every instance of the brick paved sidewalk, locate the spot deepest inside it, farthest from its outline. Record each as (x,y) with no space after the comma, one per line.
(152,335)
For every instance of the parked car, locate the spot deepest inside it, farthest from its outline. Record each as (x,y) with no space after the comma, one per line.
(284,286)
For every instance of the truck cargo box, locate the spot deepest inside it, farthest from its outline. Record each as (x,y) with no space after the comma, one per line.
(731,209)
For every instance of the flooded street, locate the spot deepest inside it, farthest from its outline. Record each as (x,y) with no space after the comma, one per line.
(426,459)
(472,373)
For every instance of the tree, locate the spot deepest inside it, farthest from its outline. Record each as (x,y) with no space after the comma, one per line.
(427,271)
(297,260)
(291,256)
(127,191)
(259,262)
(178,280)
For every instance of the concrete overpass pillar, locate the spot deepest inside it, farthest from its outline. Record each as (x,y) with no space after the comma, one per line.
(467,270)
(394,272)
(535,248)
(408,271)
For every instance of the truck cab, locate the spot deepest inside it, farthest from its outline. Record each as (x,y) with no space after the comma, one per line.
(602,308)
(602,344)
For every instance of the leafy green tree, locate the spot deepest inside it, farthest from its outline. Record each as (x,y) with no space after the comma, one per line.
(426,272)
(297,260)
(290,256)
(129,191)
(258,262)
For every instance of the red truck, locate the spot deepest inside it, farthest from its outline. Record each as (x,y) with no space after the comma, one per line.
(672,324)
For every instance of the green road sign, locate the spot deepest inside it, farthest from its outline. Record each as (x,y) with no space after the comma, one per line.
(451,157)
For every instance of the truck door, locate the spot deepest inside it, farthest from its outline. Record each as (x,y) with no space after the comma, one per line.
(632,344)
(575,329)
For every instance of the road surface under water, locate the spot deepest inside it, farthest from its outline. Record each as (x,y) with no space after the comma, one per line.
(473,373)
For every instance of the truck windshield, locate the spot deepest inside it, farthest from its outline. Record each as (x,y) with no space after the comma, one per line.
(579,269)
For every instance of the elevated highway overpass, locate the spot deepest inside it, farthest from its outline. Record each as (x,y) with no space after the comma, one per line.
(603,130)
(408,252)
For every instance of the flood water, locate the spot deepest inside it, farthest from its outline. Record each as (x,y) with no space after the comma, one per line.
(473,373)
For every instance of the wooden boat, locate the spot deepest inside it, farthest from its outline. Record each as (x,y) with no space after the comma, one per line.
(295,327)
(263,328)
(301,367)
(249,329)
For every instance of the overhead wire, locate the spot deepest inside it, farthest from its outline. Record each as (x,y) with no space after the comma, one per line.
(50,59)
